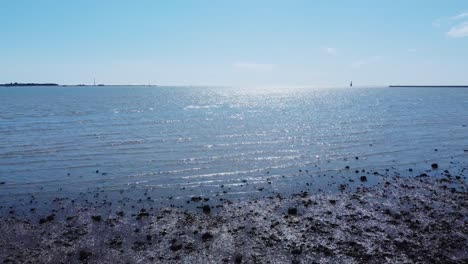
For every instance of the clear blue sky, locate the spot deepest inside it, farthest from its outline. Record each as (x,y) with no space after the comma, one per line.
(320,42)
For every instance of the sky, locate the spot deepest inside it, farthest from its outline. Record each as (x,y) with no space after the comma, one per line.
(235,43)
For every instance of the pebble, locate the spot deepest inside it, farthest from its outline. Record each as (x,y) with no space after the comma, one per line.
(176,245)
(96,218)
(206,236)
(292,211)
(84,255)
(206,209)
(238,258)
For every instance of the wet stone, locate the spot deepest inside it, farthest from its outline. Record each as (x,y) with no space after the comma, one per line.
(84,255)
(196,199)
(292,211)
(116,242)
(206,236)
(238,258)
(206,209)
(96,218)
(176,245)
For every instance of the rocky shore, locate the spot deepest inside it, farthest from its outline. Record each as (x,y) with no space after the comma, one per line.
(420,219)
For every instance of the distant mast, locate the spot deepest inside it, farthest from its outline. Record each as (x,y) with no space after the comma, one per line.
(351,84)
(94,82)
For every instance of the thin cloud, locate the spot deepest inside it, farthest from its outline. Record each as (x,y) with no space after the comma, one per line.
(459,31)
(366,61)
(448,20)
(251,66)
(460,16)
(331,51)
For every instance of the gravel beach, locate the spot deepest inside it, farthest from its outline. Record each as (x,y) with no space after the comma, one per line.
(420,219)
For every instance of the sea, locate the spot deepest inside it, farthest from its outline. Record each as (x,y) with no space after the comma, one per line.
(178,142)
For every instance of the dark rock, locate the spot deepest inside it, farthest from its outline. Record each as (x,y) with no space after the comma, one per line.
(237,258)
(307,202)
(292,211)
(51,217)
(206,236)
(120,213)
(274,224)
(296,251)
(1,183)
(116,242)
(142,214)
(84,255)
(96,218)
(176,245)
(206,209)
(434,166)
(363,178)
(332,202)
(347,167)
(196,199)
(139,246)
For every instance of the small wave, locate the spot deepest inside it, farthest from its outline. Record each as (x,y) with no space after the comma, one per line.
(220,174)
(278,157)
(183,139)
(128,142)
(243,135)
(201,107)
(165,172)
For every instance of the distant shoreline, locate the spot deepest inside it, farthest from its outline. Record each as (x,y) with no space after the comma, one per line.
(28,84)
(153,85)
(429,86)
(69,85)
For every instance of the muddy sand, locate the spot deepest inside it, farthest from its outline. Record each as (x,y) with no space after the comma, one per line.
(419,219)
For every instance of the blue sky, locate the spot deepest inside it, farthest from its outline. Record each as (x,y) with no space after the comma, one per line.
(294,43)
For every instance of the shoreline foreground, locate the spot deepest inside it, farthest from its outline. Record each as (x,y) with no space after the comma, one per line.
(418,219)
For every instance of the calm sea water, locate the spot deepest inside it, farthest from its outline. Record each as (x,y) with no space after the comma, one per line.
(171,138)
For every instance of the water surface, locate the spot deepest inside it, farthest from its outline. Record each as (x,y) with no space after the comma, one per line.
(72,139)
